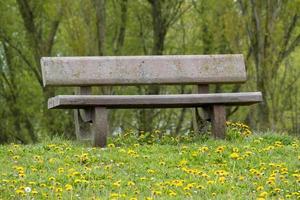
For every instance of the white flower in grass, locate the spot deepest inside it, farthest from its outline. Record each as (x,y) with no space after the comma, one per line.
(27,189)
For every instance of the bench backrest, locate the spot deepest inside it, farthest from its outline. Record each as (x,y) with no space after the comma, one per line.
(133,70)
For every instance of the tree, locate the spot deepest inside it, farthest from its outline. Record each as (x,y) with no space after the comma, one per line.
(273,36)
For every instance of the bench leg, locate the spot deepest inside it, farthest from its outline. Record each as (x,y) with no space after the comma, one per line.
(218,118)
(82,127)
(100,127)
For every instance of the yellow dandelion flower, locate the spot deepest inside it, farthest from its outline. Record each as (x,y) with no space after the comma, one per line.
(277,190)
(130,183)
(222,179)
(234,156)
(263,194)
(111,145)
(259,188)
(117,183)
(151,171)
(68,187)
(34,192)
(58,189)
(157,192)
(162,163)
(114,195)
(241,178)
(172,193)
(20,192)
(200,187)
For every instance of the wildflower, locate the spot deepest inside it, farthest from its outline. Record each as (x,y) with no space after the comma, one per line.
(222,179)
(111,145)
(117,183)
(59,189)
(16,157)
(76,181)
(162,163)
(114,195)
(200,187)
(157,192)
(150,171)
(172,193)
(182,163)
(234,156)
(263,194)
(277,190)
(42,185)
(132,153)
(187,194)
(27,189)
(34,192)
(194,153)
(20,192)
(288,196)
(220,149)
(60,170)
(259,188)
(130,183)
(68,187)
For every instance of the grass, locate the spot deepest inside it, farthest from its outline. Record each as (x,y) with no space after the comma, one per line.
(253,167)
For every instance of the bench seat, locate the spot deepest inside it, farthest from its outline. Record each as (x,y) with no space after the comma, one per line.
(153,101)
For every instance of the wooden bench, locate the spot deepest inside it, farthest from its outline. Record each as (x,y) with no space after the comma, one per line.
(201,70)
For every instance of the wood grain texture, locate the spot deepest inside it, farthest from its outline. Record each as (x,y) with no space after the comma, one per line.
(100,127)
(136,70)
(218,121)
(153,101)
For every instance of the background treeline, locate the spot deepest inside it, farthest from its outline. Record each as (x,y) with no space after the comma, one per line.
(267,32)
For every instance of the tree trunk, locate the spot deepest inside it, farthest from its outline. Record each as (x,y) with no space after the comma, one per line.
(100,20)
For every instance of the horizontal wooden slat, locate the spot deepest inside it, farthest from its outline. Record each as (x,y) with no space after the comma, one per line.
(153,101)
(131,70)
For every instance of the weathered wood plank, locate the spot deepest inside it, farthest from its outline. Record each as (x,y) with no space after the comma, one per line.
(153,101)
(218,121)
(100,127)
(136,70)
